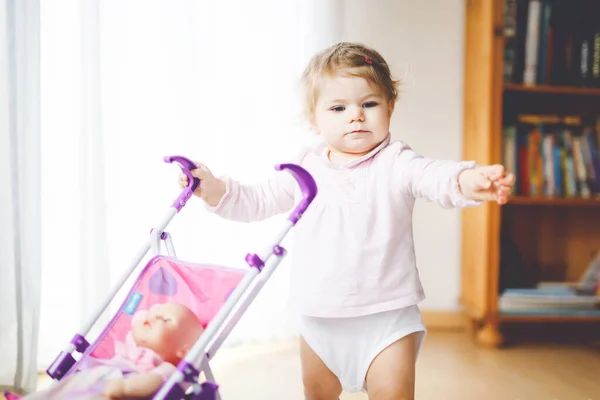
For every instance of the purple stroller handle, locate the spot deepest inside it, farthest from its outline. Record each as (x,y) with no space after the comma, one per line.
(186,166)
(308,187)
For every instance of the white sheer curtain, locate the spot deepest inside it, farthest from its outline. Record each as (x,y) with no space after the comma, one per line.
(20,193)
(125,83)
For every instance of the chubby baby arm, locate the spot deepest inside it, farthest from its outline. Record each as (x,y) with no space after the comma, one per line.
(240,202)
(450,183)
(428,178)
(141,386)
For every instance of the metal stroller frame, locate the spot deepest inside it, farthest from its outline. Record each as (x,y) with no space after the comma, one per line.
(197,359)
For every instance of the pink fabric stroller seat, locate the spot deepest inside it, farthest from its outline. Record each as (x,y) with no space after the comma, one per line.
(217,295)
(203,288)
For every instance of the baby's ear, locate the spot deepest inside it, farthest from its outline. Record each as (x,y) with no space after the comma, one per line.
(314,129)
(391,105)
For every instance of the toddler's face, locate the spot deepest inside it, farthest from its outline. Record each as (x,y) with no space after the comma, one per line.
(352,116)
(168,329)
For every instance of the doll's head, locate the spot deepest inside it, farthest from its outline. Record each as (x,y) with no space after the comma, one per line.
(169,329)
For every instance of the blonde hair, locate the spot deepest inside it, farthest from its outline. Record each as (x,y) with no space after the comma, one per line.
(359,60)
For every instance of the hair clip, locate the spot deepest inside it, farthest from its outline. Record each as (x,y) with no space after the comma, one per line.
(368,60)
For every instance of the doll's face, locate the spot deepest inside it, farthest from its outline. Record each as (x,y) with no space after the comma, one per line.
(169,329)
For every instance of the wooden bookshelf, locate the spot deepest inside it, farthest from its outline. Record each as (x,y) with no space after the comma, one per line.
(556,317)
(532,238)
(558,201)
(545,89)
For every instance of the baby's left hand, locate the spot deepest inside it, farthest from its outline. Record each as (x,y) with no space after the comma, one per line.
(487,183)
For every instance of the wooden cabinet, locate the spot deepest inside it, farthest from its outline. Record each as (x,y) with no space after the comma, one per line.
(542,237)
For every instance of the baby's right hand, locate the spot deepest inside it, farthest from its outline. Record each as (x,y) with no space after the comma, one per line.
(211,189)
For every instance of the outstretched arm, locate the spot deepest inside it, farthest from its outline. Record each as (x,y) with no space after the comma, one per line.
(449,183)
(139,386)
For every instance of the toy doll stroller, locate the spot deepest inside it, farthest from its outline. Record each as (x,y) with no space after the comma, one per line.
(217,295)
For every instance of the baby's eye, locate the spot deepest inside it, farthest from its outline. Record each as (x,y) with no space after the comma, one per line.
(370,104)
(338,108)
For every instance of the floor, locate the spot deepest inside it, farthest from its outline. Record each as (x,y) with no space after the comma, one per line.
(450,367)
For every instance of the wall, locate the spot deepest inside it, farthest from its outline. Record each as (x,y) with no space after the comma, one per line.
(423,41)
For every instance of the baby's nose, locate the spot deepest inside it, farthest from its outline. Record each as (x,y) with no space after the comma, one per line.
(356,114)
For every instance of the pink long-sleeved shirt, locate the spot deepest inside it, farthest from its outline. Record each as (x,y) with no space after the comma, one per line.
(353,250)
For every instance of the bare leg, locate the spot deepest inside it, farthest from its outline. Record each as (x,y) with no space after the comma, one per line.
(318,380)
(391,375)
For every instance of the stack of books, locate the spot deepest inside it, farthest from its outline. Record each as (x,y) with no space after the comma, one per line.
(556,298)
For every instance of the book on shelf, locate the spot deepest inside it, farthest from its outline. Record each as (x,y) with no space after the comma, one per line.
(552,42)
(568,298)
(553,156)
(548,297)
(552,301)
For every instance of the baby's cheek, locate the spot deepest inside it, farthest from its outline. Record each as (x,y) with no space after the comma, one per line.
(153,342)
(170,339)
(143,337)
(168,335)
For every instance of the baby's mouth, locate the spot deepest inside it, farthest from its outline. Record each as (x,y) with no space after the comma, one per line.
(357,131)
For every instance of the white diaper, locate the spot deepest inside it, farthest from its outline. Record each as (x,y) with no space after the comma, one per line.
(348,345)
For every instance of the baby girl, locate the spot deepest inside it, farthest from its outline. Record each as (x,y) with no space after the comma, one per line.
(160,339)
